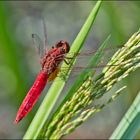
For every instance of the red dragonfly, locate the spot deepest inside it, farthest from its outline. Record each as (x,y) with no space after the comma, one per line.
(49,62)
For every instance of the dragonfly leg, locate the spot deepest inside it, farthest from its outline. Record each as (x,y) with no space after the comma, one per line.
(63,76)
(68,60)
(62,58)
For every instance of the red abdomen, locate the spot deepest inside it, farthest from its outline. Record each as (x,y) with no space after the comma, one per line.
(32,96)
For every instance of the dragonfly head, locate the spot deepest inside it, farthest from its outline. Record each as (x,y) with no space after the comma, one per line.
(63,45)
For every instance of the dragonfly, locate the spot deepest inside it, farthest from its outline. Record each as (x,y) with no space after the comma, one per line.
(50,62)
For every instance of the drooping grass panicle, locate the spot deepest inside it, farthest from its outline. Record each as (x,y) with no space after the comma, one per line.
(76,109)
(70,126)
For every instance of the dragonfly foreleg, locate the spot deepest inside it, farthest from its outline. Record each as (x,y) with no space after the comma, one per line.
(60,58)
(68,60)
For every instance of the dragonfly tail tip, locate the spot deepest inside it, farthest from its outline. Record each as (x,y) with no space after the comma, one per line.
(16,121)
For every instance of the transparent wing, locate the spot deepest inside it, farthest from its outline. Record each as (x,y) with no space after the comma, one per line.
(92,51)
(77,69)
(38,44)
(45,33)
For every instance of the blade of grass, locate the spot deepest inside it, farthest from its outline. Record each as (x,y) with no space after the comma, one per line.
(9,50)
(130,123)
(115,21)
(57,86)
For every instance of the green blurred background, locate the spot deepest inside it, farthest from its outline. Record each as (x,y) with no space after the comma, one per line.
(19,62)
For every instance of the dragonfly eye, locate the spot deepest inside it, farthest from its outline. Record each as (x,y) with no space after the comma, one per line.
(62,49)
(64,46)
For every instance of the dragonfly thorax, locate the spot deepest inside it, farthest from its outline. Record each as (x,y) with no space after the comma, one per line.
(54,57)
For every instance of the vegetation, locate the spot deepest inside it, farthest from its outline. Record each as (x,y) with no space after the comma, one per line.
(88,94)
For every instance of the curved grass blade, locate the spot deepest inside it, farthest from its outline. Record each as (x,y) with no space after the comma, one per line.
(130,123)
(56,88)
